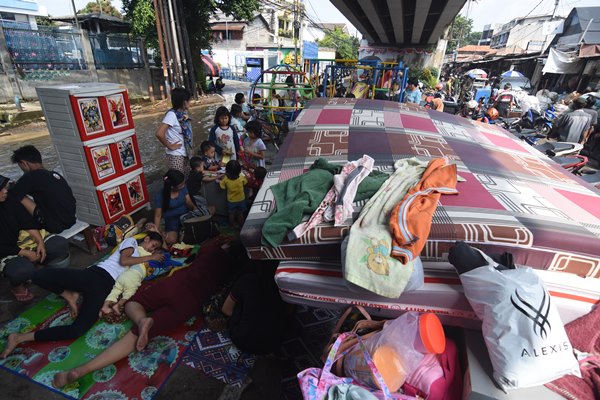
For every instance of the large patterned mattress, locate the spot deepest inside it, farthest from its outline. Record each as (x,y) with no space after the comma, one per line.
(321,284)
(513,198)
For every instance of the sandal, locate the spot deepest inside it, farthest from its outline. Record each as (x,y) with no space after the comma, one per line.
(23,296)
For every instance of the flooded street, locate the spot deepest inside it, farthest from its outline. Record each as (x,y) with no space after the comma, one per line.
(152,152)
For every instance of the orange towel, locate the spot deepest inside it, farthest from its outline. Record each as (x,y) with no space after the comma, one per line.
(410,221)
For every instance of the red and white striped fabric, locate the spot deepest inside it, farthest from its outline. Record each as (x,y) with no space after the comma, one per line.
(321,284)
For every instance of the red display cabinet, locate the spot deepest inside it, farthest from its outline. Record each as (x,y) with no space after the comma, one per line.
(93,132)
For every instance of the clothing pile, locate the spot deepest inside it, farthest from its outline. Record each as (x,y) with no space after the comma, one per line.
(392,228)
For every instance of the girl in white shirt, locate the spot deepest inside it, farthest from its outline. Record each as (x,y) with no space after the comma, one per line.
(225,138)
(254,148)
(175,132)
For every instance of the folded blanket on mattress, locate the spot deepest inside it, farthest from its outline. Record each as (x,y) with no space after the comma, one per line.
(303,194)
(368,263)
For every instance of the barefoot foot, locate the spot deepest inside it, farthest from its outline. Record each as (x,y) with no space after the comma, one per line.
(64,378)
(144,327)
(71,298)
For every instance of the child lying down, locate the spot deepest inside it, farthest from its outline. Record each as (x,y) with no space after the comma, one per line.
(130,280)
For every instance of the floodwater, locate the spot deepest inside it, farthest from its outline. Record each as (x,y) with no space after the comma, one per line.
(151,151)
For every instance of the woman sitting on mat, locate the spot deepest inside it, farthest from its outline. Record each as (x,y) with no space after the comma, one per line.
(194,284)
(94,283)
(170,204)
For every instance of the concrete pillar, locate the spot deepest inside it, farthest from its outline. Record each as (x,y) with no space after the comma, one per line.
(144,56)
(88,55)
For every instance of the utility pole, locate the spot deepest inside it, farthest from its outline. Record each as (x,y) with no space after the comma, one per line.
(551,19)
(188,51)
(296,26)
(180,47)
(168,43)
(175,42)
(161,46)
(75,14)
(227,41)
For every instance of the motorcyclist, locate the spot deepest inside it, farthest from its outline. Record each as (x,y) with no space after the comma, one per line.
(506,101)
(490,116)
(572,126)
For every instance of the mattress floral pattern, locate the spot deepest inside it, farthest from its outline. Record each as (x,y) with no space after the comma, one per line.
(511,197)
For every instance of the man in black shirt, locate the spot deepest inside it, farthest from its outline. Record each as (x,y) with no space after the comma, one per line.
(53,204)
(18,264)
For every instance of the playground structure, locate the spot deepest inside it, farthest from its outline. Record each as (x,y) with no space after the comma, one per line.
(280,92)
(362,78)
(266,93)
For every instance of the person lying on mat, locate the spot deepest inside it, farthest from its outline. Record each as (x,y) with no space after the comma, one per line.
(18,264)
(164,299)
(125,286)
(94,283)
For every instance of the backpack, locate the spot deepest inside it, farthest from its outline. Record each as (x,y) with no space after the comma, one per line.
(119,230)
(197,229)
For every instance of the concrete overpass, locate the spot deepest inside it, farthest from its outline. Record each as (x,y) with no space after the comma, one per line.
(403,23)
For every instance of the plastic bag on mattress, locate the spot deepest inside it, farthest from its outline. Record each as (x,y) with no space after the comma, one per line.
(523,332)
(416,281)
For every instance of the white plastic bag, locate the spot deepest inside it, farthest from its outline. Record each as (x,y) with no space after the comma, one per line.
(523,332)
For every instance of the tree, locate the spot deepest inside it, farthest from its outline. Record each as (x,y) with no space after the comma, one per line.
(345,46)
(473,38)
(197,16)
(44,21)
(103,6)
(460,32)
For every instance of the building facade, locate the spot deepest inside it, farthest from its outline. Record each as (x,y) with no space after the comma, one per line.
(21,13)
(522,35)
(277,34)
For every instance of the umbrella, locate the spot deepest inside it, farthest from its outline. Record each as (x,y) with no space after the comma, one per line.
(476,73)
(212,68)
(512,74)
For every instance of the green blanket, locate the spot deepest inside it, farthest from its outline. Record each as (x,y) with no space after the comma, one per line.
(303,194)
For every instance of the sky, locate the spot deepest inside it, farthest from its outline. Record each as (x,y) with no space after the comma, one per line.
(316,9)
(58,8)
(484,12)
(481,11)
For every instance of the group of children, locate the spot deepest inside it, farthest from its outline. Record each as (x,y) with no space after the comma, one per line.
(234,156)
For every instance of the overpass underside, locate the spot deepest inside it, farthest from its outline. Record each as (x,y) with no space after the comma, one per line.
(400,22)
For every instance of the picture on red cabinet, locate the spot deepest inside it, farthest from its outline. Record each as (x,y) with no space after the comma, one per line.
(103,161)
(135,191)
(126,152)
(116,109)
(91,116)
(113,201)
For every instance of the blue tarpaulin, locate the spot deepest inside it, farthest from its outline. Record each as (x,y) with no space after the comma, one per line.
(311,50)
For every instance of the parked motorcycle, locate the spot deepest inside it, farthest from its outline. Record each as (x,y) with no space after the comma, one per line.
(541,123)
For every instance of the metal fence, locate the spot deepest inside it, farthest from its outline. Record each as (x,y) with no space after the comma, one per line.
(116,50)
(226,73)
(45,49)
